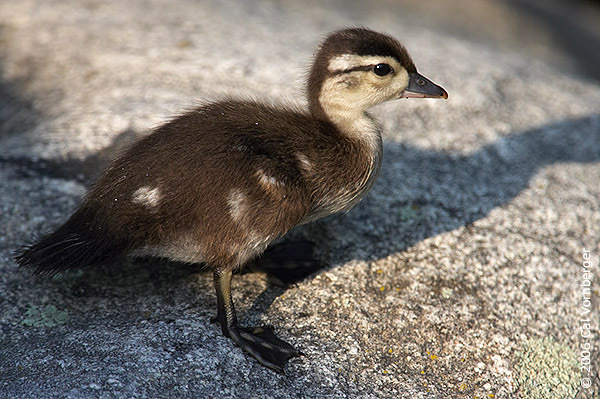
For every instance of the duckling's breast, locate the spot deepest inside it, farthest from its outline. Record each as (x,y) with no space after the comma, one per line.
(346,176)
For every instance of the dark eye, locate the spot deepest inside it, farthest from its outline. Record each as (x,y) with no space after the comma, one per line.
(382,69)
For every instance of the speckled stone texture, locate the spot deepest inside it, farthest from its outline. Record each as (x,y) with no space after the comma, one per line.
(459,276)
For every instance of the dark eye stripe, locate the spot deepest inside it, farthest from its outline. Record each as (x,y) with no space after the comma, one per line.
(364,68)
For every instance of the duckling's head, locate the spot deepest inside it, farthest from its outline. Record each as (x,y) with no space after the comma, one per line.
(357,68)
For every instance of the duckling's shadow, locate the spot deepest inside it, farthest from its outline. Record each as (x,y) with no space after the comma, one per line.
(128,277)
(422,193)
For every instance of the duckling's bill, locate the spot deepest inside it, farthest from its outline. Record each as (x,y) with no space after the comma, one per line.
(421,87)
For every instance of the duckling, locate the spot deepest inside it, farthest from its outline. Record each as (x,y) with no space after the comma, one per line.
(217,184)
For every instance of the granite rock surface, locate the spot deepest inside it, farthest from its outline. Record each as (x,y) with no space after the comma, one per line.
(460,276)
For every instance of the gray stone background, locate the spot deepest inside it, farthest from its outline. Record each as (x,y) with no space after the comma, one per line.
(459,276)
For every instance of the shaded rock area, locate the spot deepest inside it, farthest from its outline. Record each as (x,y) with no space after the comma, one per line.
(460,276)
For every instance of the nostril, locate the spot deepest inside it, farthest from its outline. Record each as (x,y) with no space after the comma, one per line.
(421,82)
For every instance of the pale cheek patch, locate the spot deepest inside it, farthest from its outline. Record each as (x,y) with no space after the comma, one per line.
(400,82)
(146,196)
(237,204)
(347,93)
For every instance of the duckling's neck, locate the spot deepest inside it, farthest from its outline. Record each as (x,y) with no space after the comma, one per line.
(361,160)
(353,122)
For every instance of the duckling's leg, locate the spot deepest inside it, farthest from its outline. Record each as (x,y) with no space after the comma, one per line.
(260,342)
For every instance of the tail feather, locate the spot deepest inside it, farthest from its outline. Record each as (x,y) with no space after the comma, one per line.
(67,248)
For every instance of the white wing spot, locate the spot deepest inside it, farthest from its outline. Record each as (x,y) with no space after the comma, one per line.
(146,196)
(304,161)
(237,204)
(266,180)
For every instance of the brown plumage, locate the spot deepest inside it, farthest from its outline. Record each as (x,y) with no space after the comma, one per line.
(216,185)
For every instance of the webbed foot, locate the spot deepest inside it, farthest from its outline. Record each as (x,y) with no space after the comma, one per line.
(262,344)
